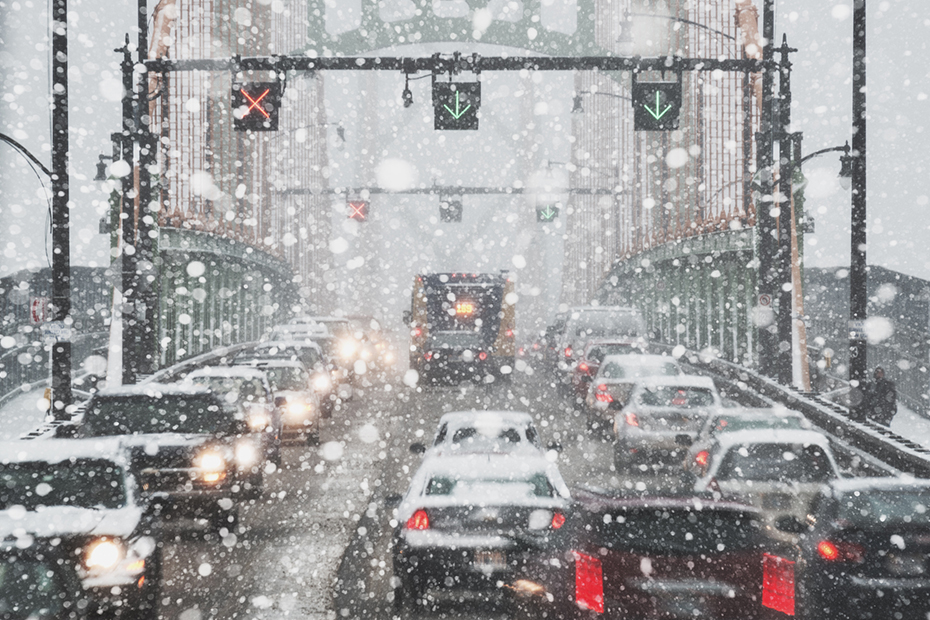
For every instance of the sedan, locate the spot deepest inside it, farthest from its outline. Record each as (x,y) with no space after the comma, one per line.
(610,389)
(594,353)
(78,494)
(294,394)
(864,553)
(470,432)
(661,419)
(487,523)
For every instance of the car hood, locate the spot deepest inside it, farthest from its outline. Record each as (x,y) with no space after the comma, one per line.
(151,443)
(51,521)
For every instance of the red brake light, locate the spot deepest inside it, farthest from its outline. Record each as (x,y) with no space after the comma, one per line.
(558,520)
(602,395)
(428,355)
(701,458)
(418,521)
(482,356)
(417,332)
(568,351)
(583,367)
(510,333)
(840,551)
(778,584)
(589,583)
(631,419)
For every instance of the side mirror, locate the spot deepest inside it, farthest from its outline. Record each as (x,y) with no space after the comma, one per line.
(417,448)
(408,316)
(790,524)
(392,500)
(280,401)
(684,440)
(554,445)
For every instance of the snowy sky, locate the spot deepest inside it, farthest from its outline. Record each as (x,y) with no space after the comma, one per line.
(898,184)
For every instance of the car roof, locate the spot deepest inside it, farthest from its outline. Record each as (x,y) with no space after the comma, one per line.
(769,435)
(283,344)
(677,380)
(637,359)
(246,372)
(463,418)
(600,502)
(308,329)
(153,389)
(58,450)
(273,363)
(903,483)
(760,413)
(491,465)
(624,340)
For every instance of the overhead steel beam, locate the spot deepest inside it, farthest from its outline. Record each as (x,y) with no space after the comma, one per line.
(440,190)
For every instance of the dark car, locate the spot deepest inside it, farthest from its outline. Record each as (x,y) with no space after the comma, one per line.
(78,495)
(864,552)
(484,523)
(39,582)
(669,557)
(191,451)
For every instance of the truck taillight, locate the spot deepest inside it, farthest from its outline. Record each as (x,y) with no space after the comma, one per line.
(558,520)
(418,520)
(631,419)
(840,551)
(568,351)
(701,458)
(589,583)
(602,395)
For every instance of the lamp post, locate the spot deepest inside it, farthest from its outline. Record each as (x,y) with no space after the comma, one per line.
(858,278)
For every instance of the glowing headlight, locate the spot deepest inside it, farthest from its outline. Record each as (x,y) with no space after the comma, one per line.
(213,464)
(347,348)
(246,454)
(104,554)
(322,383)
(259,420)
(298,409)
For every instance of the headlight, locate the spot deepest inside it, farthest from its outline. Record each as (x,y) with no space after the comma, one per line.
(347,348)
(259,420)
(322,383)
(213,465)
(104,554)
(299,409)
(246,454)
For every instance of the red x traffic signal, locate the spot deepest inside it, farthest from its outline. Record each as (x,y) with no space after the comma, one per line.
(357,210)
(255,106)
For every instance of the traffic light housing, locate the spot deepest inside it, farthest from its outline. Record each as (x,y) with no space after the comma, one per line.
(455,105)
(357,210)
(656,105)
(255,106)
(450,210)
(546,213)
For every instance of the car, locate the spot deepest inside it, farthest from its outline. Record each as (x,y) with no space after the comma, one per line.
(734,419)
(660,420)
(78,495)
(644,556)
(584,323)
(340,343)
(40,581)
(464,432)
(192,453)
(610,388)
(325,376)
(249,389)
(778,471)
(473,522)
(292,386)
(864,553)
(584,371)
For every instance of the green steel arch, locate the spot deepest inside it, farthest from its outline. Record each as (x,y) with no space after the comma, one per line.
(423,25)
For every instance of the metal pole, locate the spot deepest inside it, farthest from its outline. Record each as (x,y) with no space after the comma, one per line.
(783,263)
(768,337)
(127,224)
(61,234)
(858,296)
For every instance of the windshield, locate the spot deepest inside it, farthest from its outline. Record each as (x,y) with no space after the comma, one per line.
(83,483)
(130,415)
(287,378)
(33,588)
(233,390)
(776,463)
(636,369)
(675,396)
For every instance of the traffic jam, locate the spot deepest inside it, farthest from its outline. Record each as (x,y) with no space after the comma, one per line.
(591,473)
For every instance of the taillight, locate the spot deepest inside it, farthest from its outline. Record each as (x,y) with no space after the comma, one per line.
(589,583)
(840,551)
(482,356)
(509,333)
(558,520)
(418,521)
(778,584)
(428,355)
(631,419)
(417,332)
(568,351)
(602,395)
(701,458)
(583,367)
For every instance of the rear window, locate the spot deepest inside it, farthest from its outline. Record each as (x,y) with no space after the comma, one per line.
(287,378)
(726,424)
(673,531)
(772,462)
(83,483)
(598,353)
(613,370)
(536,485)
(876,507)
(673,396)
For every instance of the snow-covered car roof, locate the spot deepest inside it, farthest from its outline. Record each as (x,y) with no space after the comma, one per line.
(271,363)
(302,329)
(493,432)
(471,418)
(58,450)
(775,436)
(777,411)
(283,344)
(638,359)
(864,485)
(153,389)
(678,380)
(245,372)
(603,501)
(621,340)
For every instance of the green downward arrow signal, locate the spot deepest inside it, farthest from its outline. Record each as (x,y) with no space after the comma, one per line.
(655,113)
(458,112)
(548,213)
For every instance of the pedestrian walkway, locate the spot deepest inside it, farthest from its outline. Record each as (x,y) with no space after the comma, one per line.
(911,425)
(22,413)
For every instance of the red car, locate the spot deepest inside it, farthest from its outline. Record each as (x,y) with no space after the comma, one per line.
(592,356)
(664,557)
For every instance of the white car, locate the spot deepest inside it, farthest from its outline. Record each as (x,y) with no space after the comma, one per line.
(610,389)
(294,393)
(778,471)
(476,432)
(661,419)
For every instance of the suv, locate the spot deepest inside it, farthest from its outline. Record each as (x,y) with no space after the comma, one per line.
(190,450)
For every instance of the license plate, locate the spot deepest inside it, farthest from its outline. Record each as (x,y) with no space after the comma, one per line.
(490,559)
